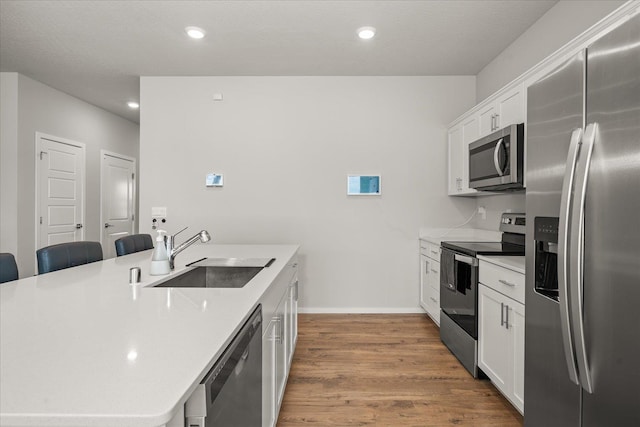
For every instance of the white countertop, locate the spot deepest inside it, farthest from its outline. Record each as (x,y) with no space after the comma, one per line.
(82,347)
(438,235)
(515,263)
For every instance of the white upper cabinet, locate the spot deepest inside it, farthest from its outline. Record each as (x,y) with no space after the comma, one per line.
(460,136)
(470,130)
(487,119)
(456,167)
(507,108)
(511,107)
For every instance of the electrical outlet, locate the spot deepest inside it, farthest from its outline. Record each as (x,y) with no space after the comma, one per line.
(158,217)
(482,211)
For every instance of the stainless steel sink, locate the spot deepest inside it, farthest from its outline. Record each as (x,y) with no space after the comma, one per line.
(212,277)
(218,273)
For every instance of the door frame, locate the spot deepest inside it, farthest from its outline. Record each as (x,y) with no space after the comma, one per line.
(39,136)
(134,194)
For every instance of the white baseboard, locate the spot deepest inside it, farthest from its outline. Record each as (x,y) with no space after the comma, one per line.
(360,310)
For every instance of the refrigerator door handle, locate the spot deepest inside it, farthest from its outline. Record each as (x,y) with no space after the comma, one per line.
(577,260)
(563,255)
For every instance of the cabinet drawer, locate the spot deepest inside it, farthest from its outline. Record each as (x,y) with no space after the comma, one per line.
(503,280)
(433,304)
(434,276)
(430,249)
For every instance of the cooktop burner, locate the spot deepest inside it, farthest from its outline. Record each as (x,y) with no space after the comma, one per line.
(485,248)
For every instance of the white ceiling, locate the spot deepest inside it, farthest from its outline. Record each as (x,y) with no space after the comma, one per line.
(96,50)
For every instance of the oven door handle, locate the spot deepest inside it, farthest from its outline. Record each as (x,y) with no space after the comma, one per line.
(473,262)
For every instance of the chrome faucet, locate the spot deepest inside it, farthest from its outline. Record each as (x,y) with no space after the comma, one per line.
(173,251)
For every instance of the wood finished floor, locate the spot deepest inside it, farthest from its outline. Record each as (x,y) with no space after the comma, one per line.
(384,370)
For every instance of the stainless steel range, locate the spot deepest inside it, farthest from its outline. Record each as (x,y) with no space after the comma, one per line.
(459,287)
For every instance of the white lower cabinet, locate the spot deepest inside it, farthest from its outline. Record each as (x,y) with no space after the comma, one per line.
(278,344)
(269,394)
(430,279)
(501,343)
(292,319)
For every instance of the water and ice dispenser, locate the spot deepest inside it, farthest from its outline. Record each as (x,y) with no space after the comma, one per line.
(546,256)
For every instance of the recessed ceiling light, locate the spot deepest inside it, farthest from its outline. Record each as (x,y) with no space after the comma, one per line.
(133,105)
(195,32)
(366,32)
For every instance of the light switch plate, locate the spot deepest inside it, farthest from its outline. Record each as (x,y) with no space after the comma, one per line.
(159,212)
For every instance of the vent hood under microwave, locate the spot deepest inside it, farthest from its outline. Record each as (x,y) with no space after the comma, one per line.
(496,161)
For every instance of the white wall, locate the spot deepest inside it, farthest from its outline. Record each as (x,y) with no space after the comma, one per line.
(8,163)
(41,108)
(285,146)
(561,24)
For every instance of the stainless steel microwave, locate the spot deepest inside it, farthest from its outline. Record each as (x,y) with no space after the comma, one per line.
(496,161)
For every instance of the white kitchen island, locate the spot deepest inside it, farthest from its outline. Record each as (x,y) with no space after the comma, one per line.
(83,347)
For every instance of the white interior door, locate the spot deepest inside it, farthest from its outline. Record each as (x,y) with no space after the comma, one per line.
(117,199)
(60,190)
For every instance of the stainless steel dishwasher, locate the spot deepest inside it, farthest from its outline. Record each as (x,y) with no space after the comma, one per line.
(231,393)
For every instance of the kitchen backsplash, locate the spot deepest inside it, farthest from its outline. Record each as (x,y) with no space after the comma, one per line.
(496,205)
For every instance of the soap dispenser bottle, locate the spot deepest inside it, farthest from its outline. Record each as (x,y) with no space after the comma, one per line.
(160,259)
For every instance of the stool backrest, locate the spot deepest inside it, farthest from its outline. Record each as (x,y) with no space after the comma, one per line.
(65,255)
(133,243)
(8,267)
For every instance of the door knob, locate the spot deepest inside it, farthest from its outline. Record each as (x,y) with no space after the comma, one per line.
(107,225)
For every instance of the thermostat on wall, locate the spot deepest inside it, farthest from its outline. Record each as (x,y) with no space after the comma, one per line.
(363,185)
(215,180)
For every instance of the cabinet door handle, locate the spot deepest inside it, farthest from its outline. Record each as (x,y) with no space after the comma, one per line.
(504,282)
(426,267)
(493,122)
(434,252)
(501,314)
(278,336)
(497,121)
(434,270)
(433,299)
(506,321)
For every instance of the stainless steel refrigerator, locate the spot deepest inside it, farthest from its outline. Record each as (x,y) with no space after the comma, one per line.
(582,327)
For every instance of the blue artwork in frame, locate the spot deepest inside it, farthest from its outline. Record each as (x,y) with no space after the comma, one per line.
(363,185)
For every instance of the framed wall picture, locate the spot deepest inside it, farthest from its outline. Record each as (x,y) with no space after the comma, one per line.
(214,180)
(363,185)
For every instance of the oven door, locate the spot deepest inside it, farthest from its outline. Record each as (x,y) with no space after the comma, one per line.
(459,289)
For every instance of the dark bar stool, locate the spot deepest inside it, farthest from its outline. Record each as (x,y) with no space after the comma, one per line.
(8,268)
(133,243)
(65,255)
